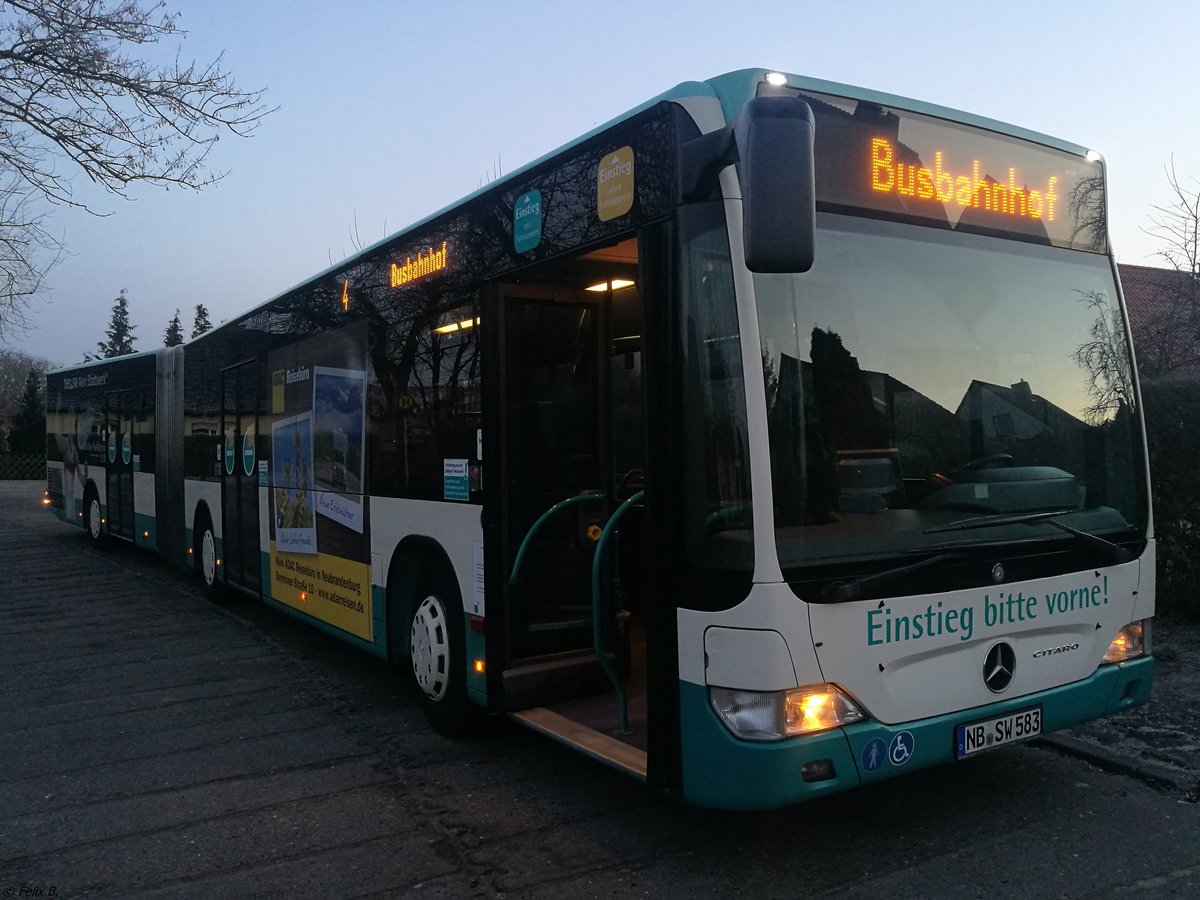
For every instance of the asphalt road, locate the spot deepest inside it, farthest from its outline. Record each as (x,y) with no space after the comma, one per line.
(152,743)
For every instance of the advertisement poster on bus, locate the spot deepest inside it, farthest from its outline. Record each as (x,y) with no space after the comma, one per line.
(339,414)
(319,557)
(292,459)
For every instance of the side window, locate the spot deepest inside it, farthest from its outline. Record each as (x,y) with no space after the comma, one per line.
(425,398)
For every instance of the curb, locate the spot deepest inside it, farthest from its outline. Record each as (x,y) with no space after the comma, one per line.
(1155,774)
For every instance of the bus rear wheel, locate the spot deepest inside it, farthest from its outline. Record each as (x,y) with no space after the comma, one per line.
(438,656)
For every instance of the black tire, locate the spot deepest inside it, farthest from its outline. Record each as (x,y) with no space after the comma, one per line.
(437,655)
(93,519)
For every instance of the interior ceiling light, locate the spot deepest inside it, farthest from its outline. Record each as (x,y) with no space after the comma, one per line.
(455,326)
(778,79)
(616,284)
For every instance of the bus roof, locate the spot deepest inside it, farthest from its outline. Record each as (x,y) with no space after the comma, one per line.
(732,90)
(108,359)
(735,88)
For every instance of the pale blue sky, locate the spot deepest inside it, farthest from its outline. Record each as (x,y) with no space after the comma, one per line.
(389,111)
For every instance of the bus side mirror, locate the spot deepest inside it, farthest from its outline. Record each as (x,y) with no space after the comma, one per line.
(772,138)
(774,141)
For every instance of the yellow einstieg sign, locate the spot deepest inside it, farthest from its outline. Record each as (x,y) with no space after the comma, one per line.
(614,184)
(329,588)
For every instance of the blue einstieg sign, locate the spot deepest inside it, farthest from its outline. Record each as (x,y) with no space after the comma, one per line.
(527,221)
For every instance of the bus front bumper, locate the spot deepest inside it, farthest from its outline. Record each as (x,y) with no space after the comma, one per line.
(725,772)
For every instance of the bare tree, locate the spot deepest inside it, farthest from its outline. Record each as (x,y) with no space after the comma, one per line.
(1103,357)
(73,89)
(14,369)
(1177,225)
(1089,213)
(1172,337)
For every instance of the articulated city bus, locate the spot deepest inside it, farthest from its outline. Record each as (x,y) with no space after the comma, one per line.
(775,438)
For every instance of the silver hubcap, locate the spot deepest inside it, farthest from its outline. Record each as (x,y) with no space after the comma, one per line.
(430,646)
(208,557)
(94,518)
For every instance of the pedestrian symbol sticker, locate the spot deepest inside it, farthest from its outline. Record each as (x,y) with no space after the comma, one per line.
(900,750)
(874,754)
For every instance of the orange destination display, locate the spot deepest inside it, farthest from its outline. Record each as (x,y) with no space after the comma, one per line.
(974,190)
(913,167)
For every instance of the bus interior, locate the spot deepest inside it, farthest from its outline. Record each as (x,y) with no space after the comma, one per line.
(574,431)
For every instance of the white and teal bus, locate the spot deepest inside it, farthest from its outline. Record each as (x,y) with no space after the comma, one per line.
(775,438)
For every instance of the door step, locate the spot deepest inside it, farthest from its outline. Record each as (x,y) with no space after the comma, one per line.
(596,744)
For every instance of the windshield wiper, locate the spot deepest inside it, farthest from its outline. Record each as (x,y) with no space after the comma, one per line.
(858,588)
(1026,518)
(1114,552)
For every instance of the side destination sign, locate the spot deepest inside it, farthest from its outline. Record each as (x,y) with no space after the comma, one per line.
(426,263)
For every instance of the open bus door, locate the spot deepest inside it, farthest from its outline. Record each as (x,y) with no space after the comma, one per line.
(569,414)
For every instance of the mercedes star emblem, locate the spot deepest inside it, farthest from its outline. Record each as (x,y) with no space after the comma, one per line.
(999,666)
(997,573)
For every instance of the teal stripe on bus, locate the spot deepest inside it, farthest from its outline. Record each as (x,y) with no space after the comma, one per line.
(722,771)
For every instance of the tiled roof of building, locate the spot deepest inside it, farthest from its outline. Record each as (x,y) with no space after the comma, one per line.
(1147,291)
(1158,302)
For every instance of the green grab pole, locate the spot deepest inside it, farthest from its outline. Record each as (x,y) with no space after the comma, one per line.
(589,497)
(597,622)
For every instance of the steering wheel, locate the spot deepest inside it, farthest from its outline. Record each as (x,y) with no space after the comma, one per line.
(633,476)
(995,461)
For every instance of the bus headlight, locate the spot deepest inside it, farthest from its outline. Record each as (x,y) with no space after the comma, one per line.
(774,715)
(1131,642)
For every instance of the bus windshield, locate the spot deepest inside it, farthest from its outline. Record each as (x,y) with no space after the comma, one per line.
(916,376)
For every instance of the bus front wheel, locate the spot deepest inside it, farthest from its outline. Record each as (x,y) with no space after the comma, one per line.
(93,516)
(438,656)
(204,553)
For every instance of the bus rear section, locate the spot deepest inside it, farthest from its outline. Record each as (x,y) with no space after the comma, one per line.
(108,466)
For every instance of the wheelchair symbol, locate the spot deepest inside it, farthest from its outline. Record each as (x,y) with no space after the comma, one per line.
(900,750)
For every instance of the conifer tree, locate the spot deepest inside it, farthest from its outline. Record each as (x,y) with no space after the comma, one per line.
(201,323)
(28,436)
(173,336)
(119,332)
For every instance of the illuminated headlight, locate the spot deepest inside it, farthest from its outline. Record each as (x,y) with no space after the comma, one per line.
(774,715)
(1131,642)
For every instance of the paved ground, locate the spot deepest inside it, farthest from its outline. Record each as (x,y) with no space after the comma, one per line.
(1162,738)
(154,744)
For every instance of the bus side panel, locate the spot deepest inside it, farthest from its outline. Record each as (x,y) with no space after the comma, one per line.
(196,492)
(168,473)
(456,528)
(145,532)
